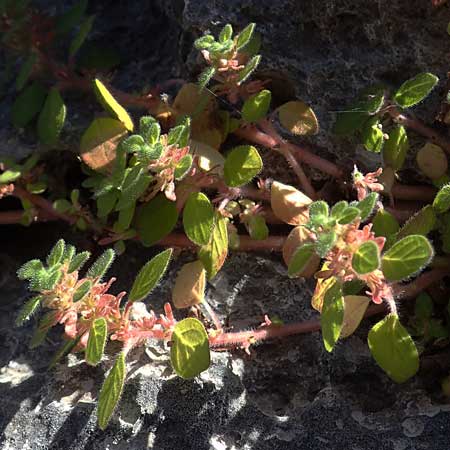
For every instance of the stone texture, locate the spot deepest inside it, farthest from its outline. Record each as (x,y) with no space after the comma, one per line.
(285,395)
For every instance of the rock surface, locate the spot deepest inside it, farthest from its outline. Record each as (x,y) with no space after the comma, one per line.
(285,395)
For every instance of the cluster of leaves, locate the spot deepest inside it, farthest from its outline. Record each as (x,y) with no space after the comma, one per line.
(377,119)
(34,36)
(90,316)
(353,258)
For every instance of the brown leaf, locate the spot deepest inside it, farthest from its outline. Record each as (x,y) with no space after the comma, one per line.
(289,204)
(298,118)
(354,309)
(189,286)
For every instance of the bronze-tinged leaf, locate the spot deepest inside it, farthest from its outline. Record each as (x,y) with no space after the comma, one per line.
(289,204)
(298,118)
(354,308)
(189,286)
(322,285)
(99,142)
(297,237)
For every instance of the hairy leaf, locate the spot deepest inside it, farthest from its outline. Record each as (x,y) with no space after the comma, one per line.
(406,257)
(190,348)
(78,261)
(415,90)
(213,254)
(325,242)
(332,316)
(441,202)
(393,349)
(421,223)
(111,391)
(385,224)
(367,205)
(249,68)
(198,218)
(244,36)
(183,167)
(149,276)
(102,264)
(205,77)
(56,253)
(355,307)
(366,258)
(96,341)
(241,165)
(301,259)
(82,290)
(28,310)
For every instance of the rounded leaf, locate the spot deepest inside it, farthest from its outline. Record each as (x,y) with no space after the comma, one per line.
(52,118)
(406,257)
(242,164)
(208,158)
(189,288)
(189,353)
(198,218)
(301,259)
(298,118)
(441,202)
(355,307)
(395,148)
(393,349)
(256,106)
(289,204)
(366,258)
(432,161)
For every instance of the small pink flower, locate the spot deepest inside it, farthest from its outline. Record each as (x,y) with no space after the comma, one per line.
(365,184)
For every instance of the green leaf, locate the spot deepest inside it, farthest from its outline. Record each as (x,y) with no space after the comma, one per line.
(62,205)
(241,165)
(393,349)
(372,136)
(205,77)
(366,258)
(421,223)
(332,316)
(149,276)
(318,212)
(244,36)
(56,253)
(28,310)
(51,119)
(29,269)
(253,45)
(198,218)
(134,185)
(189,352)
(101,265)
(8,176)
(385,224)
(106,203)
(183,167)
(111,391)
(406,257)
(82,290)
(367,205)
(125,218)
(325,242)
(249,68)
(25,71)
(300,259)
(415,90)
(423,308)
(256,106)
(156,219)
(353,118)
(338,208)
(150,129)
(69,253)
(213,254)
(257,227)
(110,104)
(226,33)
(348,215)
(204,42)
(395,148)
(78,261)
(96,341)
(441,202)
(78,40)
(72,17)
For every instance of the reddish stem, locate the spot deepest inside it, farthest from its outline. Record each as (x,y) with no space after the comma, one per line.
(15,217)
(245,338)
